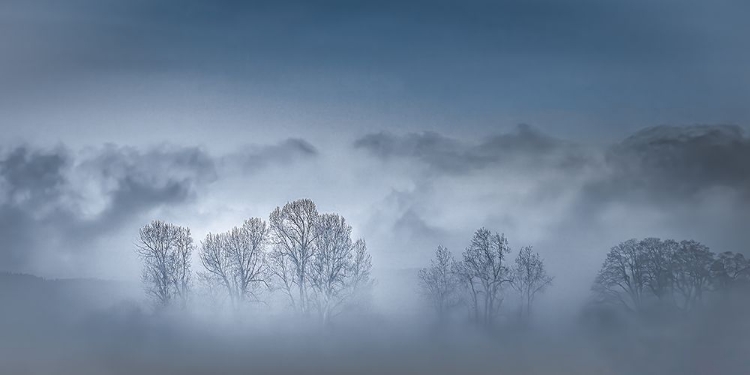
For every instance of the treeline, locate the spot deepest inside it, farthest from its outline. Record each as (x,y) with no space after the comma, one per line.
(308,257)
(638,276)
(311,261)
(652,275)
(479,281)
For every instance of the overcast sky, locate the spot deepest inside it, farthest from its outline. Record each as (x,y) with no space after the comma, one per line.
(568,125)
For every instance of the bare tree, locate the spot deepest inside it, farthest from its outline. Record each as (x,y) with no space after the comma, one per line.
(166,250)
(469,292)
(340,267)
(293,233)
(692,275)
(216,263)
(236,260)
(730,269)
(623,276)
(659,266)
(636,273)
(439,282)
(183,253)
(360,271)
(284,271)
(529,278)
(484,273)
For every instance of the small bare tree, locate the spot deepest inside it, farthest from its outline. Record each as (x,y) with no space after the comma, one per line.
(340,267)
(439,282)
(166,250)
(529,278)
(293,234)
(236,260)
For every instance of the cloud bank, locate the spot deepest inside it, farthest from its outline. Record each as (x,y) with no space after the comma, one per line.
(57,206)
(74,212)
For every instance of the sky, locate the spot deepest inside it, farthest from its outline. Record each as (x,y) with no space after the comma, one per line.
(569,126)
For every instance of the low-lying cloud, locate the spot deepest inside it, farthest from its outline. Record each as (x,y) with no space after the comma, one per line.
(404,193)
(56,204)
(524,146)
(570,200)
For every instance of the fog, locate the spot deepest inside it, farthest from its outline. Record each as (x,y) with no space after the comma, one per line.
(73,215)
(60,329)
(348,187)
(569,200)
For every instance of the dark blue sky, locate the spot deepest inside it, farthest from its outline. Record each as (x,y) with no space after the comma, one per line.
(579,69)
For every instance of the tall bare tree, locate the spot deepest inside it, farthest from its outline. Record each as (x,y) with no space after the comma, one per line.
(439,282)
(166,250)
(236,260)
(484,273)
(293,234)
(469,289)
(183,253)
(339,269)
(529,278)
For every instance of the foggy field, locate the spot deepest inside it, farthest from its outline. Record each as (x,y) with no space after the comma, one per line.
(61,331)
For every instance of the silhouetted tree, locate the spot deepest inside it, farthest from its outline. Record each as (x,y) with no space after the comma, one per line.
(439,282)
(469,289)
(692,272)
(673,273)
(623,277)
(236,260)
(340,267)
(730,270)
(483,274)
(659,266)
(166,251)
(293,233)
(529,278)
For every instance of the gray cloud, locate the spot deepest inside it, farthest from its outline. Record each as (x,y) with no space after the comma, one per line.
(657,162)
(525,146)
(31,187)
(401,220)
(54,201)
(252,158)
(55,204)
(32,177)
(572,201)
(677,163)
(130,182)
